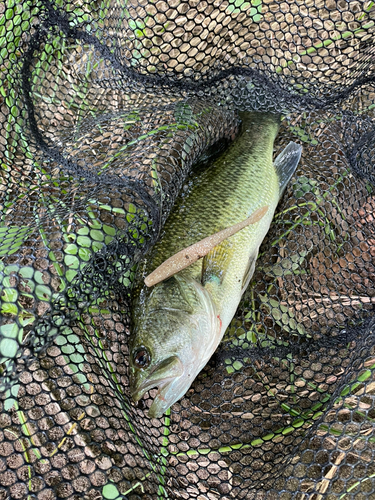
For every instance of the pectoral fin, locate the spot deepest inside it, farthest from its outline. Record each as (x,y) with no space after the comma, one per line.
(191,254)
(286,164)
(214,265)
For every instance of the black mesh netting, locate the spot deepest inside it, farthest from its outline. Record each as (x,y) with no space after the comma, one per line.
(105,106)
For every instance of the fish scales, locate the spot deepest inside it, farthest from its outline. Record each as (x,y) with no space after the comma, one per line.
(240,181)
(179,323)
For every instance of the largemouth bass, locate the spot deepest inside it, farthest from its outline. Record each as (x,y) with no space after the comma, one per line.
(178,323)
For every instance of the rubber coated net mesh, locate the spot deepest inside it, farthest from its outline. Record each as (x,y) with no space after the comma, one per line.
(106,106)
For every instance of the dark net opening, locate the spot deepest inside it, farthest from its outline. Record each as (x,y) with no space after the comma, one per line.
(105,108)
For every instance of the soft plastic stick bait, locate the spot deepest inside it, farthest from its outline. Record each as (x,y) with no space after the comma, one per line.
(191,254)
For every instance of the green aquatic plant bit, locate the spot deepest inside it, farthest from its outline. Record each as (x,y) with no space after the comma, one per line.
(110,111)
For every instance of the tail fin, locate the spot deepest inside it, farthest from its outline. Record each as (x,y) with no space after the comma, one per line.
(286,164)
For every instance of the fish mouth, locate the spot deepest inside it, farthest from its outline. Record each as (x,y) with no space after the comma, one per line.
(162,376)
(163,400)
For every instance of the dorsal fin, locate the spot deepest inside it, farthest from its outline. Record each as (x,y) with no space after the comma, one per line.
(286,164)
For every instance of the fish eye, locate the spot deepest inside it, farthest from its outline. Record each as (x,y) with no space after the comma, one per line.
(141,357)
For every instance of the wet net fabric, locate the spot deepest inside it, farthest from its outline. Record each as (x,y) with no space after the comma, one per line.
(106,107)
